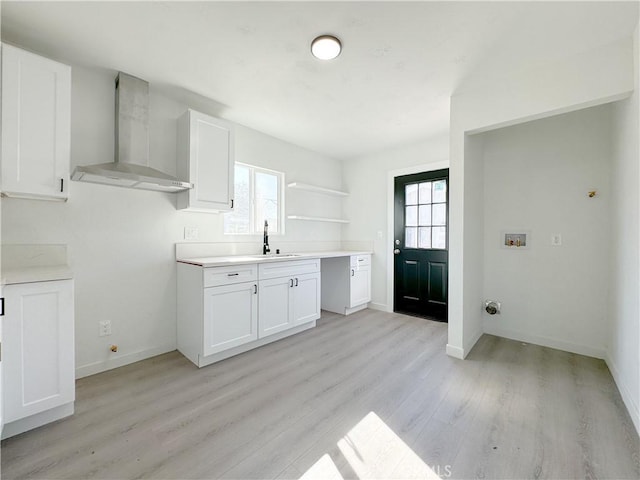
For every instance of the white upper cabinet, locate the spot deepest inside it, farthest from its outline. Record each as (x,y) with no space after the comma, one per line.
(36,126)
(206,159)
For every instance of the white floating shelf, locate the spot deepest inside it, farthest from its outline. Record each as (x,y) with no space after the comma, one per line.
(317,219)
(315,188)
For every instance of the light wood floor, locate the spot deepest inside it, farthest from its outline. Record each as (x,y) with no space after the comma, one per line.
(372,395)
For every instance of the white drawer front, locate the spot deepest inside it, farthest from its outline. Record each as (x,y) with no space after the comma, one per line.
(215,276)
(360,260)
(289,268)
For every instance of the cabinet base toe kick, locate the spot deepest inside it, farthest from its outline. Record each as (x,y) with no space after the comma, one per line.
(203,361)
(37,420)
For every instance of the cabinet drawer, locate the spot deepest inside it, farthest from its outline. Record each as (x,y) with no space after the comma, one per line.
(216,276)
(360,260)
(286,269)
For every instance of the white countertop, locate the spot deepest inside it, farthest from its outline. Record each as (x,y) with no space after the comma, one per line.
(245,259)
(35,274)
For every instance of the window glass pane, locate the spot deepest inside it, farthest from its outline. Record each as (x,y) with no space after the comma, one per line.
(239,221)
(440,191)
(411,237)
(411,194)
(439,214)
(424,215)
(439,237)
(266,198)
(425,192)
(424,237)
(411,216)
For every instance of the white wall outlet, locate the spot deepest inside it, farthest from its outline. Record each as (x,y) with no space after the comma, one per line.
(556,239)
(191,233)
(104,328)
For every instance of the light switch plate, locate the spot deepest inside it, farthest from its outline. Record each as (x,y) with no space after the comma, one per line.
(190,233)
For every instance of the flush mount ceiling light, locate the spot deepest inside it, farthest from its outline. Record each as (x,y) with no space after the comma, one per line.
(326,47)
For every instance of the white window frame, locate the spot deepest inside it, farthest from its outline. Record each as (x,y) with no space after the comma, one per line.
(252,210)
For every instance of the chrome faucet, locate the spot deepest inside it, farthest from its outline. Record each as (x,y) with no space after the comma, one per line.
(265,239)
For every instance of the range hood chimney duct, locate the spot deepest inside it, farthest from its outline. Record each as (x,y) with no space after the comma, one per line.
(131,167)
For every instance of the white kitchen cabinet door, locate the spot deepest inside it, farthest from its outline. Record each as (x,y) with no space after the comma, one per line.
(306,298)
(230,316)
(360,286)
(36,126)
(206,159)
(38,348)
(275,310)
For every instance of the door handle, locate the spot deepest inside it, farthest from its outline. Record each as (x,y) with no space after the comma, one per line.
(255,289)
(296,281)
(396,251)
(353,272)
(291,282)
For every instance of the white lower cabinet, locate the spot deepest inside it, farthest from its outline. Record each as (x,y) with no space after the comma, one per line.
(289,301)
(230,316)
(275,302)
(223,311)
(38,354)
(346,286)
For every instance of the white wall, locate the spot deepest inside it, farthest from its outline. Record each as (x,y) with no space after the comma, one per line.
(366,179)
(536,178)
(121,242)
(623,349)
(588,79)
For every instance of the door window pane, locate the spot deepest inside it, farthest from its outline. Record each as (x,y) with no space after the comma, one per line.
(425,192)
(424,237)
(411,237)
(439,214)
(411,194)
(439,237)
(424,215)
(411,216)
(440,191)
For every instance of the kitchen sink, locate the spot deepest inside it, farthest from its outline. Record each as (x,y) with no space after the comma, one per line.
(275,255)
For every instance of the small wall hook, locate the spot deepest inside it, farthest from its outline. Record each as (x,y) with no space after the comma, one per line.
(592,193)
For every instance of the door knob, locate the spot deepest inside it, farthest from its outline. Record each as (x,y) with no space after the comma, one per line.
(396,251)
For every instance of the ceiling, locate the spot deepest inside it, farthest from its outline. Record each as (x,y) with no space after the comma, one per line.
(401,61)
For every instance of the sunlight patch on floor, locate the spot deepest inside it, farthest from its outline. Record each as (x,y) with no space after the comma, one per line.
(323,469)
(373,450)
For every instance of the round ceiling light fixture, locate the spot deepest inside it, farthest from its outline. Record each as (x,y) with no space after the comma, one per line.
(326,47)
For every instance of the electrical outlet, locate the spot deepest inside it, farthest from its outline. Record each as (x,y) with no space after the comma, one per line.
(190,233)
(556,239)
(104,328)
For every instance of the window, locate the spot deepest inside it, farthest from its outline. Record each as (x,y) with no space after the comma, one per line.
(426,215)
(258,197)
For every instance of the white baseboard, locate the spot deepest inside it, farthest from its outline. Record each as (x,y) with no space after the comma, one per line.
(121,361)
(382,307)
(632,407)
(455,352)
(578,348)
(38,420)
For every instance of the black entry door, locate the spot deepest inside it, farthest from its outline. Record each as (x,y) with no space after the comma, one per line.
(421,244)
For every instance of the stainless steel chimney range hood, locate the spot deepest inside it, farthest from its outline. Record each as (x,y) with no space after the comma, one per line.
(131,166)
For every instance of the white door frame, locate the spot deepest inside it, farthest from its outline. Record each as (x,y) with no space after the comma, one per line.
(391,176)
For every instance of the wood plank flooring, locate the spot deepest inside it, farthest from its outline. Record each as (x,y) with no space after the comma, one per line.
(372,395)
